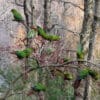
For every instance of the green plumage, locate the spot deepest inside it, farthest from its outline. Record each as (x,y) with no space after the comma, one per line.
(31,34)
(68,76)
(41,32)
(80,53)
(39,87)
(86,71)
(28,51)
(83,73)
(20,54)
(48,37)
(94,74)
(66,59)
(58,72)
(52,37)
(24,53)
(17,16)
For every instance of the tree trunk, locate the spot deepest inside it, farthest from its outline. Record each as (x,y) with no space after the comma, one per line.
(89,6)
(88,84)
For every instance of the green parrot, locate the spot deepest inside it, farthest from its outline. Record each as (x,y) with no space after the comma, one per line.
(20,54)
(83,73)
(94,74)
(28,51)
(46,36)
(68,76)
(80,53)
(58,72)
(24,53)
(17,16)
(52,37)
(41,31)
(38,87)
(66,59)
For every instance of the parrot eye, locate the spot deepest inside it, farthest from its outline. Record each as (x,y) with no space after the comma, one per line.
(12,10)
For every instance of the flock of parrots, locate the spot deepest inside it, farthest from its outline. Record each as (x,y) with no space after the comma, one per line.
(28,51)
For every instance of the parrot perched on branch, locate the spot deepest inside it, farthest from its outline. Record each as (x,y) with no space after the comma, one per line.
(80,52)
(20,54)
(24,53)
(46,36)
(39,87)
(82,75)
(17,16)
(36,89)
(94,74)
(68,76)
(28,51)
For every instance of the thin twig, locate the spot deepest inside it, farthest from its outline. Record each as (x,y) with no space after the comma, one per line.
(75,5)
(45,66)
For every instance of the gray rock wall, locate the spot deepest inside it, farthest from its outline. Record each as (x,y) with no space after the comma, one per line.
(64,15)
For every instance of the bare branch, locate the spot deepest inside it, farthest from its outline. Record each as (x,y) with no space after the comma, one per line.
(18,4)
(64,28)
(75,5)
(71,63)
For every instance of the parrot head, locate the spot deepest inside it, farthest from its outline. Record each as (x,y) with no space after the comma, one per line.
(13,10)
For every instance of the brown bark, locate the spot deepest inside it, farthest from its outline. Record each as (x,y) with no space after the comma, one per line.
(85,33)
(87,92)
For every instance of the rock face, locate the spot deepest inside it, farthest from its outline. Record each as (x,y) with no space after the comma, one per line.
(64,17)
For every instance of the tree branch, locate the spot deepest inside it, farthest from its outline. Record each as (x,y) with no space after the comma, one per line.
(75,5)
(45,66)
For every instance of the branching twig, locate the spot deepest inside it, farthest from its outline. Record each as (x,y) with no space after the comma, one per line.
(64,28)
(75,5)
(18,4)
(45,66)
